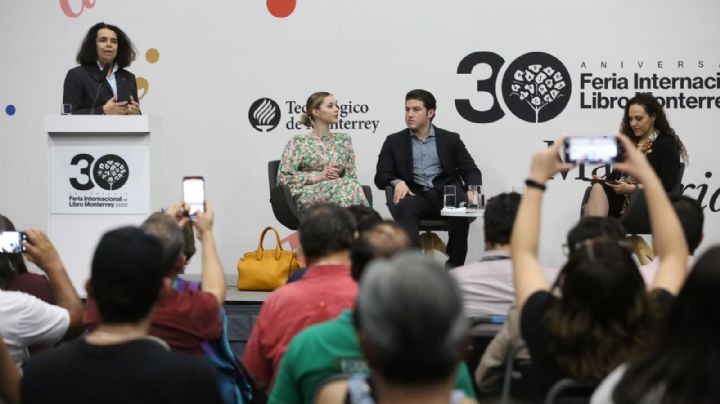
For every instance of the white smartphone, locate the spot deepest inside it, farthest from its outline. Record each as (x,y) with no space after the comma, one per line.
(194,194)
(593,150)
(11,242)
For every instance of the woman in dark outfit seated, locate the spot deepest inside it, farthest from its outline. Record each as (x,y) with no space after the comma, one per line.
(101,85)
(645,123)
(684,366)
(601,315)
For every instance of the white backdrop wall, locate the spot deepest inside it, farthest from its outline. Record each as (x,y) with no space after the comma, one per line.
(218,57)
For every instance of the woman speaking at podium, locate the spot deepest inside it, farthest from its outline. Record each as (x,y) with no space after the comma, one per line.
(101,85)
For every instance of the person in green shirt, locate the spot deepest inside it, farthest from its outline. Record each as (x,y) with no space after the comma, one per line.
(332,347)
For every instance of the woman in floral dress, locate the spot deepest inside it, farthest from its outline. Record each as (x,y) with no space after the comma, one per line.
(644,122)
(320,166)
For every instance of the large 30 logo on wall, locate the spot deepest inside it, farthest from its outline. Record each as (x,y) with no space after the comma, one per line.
(536,87)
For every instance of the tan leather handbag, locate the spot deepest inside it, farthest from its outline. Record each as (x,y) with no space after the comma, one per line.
(266,269)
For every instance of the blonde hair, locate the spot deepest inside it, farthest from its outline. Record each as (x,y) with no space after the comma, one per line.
(313,102)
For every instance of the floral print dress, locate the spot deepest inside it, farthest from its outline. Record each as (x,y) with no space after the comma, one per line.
(305,156)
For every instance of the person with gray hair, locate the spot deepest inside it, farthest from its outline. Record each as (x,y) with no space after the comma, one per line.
(411,326)
(182,318)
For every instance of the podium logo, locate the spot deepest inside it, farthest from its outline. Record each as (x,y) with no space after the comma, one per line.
(264,115)
(536,87)
(109,172)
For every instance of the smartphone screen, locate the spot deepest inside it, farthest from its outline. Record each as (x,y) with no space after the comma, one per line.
(594,150)
(11,242)
(194,194)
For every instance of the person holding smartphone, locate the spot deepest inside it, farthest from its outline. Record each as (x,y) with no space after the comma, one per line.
(645,123)
(320,166)
(101,85)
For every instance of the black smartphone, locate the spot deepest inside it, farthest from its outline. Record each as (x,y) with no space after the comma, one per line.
(11,242)
(592,149)
(194,194)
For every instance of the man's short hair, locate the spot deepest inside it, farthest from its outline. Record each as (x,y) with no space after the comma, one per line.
(365,216)
(500,212)
(383,240)
(691,218)
(326,228)
(168,232)
(126,275)
(425,96)
(410,314)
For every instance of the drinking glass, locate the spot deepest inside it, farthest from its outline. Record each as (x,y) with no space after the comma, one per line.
(449,199)
(478,199)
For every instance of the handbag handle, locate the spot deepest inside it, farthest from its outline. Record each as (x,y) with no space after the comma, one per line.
(278,247)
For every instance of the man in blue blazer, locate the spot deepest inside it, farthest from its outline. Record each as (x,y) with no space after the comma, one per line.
(418,162)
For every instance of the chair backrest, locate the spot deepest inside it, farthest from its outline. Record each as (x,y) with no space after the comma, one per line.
(273,167)
(636,218)
(569,391)
(281,201)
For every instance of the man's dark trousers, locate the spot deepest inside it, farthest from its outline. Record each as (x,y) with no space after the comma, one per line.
(427,205)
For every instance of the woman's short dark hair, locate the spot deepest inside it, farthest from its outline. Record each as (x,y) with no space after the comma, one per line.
(326,228)
(10,264)
(685,364)
(87,55)
(653,108)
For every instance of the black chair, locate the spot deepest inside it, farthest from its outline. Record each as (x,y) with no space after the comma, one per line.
(281,200)
(636,219)
(428,240)
(517,378)
(570,391)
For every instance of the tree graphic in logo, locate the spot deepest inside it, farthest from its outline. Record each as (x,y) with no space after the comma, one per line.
(264,115)
(111,172)
(536,87)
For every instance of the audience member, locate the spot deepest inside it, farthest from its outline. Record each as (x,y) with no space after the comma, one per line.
(332,347)
(691,218)
(487,285)
(326,234)
(26,320)
(682,367)
(490,371)
(365,217)
(118,361)
(602,316)
(9,377)
(14,274)
(412,329)
(183,319)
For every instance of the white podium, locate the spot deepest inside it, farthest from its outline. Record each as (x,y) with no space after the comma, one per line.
(99,178)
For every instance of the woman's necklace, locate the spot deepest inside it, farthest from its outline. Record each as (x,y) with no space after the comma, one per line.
(646,146)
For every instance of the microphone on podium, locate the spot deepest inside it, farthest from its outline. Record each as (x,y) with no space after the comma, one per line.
(106,70)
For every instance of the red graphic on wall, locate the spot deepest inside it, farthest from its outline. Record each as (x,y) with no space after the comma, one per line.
(281,8)
(65,6)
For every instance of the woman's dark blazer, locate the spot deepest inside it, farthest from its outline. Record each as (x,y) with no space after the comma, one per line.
(81,85)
